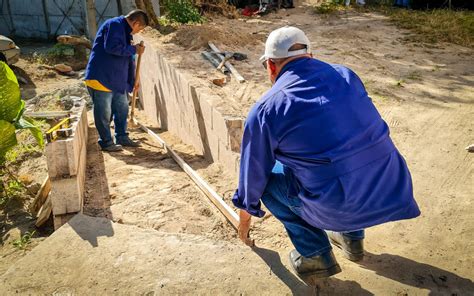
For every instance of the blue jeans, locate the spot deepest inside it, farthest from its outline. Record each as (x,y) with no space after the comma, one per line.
(308,240)
(109,106)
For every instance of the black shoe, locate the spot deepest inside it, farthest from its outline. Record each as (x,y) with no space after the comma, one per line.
(321,266)
(112,148)
(353,249)
(127,142)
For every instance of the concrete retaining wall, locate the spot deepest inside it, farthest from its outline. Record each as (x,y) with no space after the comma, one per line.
(66,161)
(175,101)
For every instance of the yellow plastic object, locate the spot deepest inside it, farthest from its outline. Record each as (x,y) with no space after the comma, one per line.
(95,84)
(52,135)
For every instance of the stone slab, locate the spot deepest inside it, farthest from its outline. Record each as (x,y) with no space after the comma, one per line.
(94,256)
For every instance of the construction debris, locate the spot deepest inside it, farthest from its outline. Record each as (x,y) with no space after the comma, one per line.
(48,114)
(74,40)
(231,68)
(219,81)
(41,196)
(470,148)
(212,58)
(45,212)
(81,45)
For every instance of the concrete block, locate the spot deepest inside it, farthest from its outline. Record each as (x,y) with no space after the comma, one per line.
(235,133)
(67,193)
(60,220)
(207,112)
(66,160)
(172,99)
(63,156)
(219,125)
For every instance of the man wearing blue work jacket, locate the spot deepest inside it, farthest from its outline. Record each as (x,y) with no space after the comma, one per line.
(110,74)
(318,155)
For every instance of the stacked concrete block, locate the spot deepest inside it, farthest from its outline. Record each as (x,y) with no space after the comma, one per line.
(174,101)
(66,159)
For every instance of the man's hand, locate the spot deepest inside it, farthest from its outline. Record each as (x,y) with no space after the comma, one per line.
(140,48)
(136,86)
(244,228)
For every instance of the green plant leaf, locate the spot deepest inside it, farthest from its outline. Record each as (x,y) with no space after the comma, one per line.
(7,138)
(20,112)
(10,102)
(26,123)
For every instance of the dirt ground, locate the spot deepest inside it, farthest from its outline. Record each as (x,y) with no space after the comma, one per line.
(423,91)
(145,187)
(39,79)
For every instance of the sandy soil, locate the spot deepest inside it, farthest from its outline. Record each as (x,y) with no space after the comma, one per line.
(424,92)
(144,187)
(350,38)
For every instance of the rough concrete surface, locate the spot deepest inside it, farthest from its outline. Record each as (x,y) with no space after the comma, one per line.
(94,256)
(175,101)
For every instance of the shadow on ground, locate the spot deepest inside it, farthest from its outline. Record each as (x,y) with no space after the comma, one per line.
(310,286)
(416,274)
(96,192)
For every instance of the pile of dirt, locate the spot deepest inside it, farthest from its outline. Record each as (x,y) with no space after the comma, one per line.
(194,37)
(218,7)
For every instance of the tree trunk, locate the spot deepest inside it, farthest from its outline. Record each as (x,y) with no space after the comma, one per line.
(147,6)
(91,19)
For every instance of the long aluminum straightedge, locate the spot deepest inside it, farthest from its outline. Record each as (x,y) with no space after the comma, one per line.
(217,200)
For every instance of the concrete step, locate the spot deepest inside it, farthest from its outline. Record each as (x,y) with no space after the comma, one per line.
(94,256)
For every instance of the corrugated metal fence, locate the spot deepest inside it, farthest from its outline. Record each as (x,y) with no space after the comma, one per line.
(45,19)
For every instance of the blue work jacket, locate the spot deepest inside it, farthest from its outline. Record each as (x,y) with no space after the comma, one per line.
(111,60)
(319,122)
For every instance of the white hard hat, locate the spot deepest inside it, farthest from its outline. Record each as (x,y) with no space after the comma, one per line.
(280,41)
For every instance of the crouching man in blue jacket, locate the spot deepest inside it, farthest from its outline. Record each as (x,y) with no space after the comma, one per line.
(110,74)
(318,155)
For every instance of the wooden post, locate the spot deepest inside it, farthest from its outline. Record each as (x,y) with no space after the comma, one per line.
(148,7)
(91,19)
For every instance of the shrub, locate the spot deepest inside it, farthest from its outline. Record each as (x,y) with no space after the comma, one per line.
(182,11)
(329,7)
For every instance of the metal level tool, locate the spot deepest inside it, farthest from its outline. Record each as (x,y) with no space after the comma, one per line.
(60,130)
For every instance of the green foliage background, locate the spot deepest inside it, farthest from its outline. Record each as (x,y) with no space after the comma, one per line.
(182,11)
(11,112)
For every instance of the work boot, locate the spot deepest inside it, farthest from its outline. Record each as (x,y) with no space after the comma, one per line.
(353,249)
(324,265)
(127,142)
(112,148)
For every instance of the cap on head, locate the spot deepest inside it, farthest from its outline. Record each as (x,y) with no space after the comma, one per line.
(280,41)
